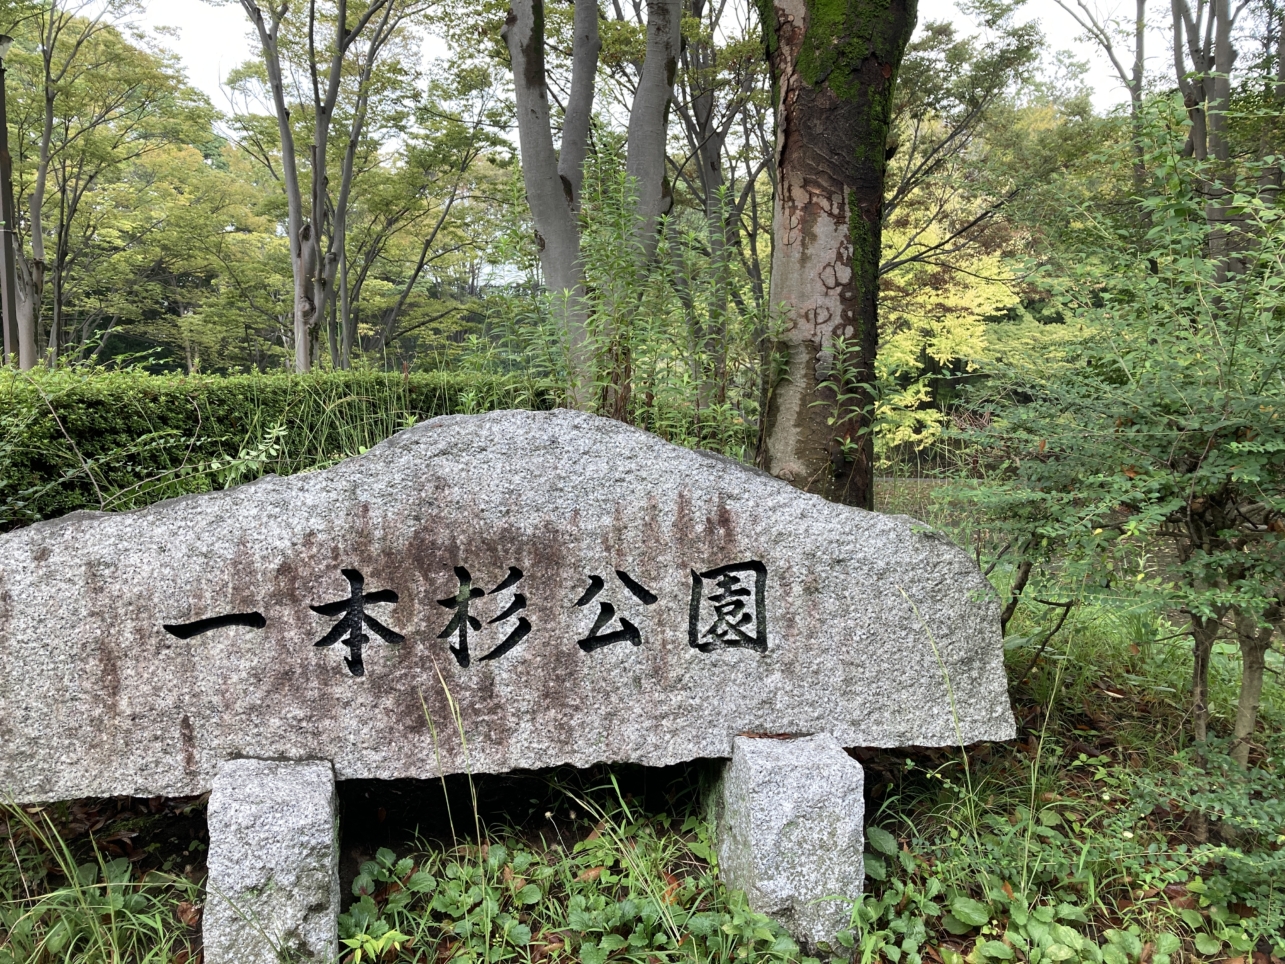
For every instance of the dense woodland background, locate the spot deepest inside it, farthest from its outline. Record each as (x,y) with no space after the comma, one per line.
(1076,373)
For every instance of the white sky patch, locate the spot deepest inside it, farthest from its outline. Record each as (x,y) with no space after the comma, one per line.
(212,41)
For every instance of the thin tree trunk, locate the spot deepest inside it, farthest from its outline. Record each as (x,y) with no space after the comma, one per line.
(1254,642)
(29,320)
(1203,632)
(834,69)
(31,283)
(1186,31)
(332,332)
(706,139)
(269,32)
(348,324)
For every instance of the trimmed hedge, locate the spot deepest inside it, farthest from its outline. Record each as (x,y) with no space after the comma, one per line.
(94,439)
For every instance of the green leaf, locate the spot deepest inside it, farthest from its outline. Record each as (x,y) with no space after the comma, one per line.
(1065,935)
(702,850)
(1071,912)
(421,882)
(954,925)
(1111,954)
(363,884)
(1058,952)
(1208,945)
(530,894)
(876,869)
(881,840)
(1167,943)
(1240,941)
(1127,941)
(1192,918)
(970,911)
(591,953)
(997,950)
(613,942)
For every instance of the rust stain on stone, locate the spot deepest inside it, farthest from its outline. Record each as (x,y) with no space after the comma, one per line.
(187,739)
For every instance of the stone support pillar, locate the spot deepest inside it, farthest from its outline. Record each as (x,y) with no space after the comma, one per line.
(791,832)
(272,893)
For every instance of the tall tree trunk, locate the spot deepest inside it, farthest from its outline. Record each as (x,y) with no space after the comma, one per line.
(313,262)
(834,66)
(585,47)
(1136,80)
(551,192)
(1101,32)
(29,320)
(1203,633)
(706,140)
(30,285)
(649,121)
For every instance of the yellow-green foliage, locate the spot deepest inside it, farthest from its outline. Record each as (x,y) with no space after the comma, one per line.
(932,327)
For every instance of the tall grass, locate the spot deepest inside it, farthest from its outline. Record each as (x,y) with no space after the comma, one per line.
(101,912)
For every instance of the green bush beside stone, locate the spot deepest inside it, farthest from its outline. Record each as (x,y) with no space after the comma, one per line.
(93,439)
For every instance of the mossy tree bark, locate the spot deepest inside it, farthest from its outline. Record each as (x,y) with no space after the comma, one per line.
(834,64)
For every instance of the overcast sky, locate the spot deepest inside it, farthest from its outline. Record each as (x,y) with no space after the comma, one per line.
(213,40)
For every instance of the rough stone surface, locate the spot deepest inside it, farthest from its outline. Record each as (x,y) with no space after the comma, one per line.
(273,889)
(98,698)
(790,831)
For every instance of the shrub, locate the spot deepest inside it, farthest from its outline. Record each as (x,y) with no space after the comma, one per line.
(93,439)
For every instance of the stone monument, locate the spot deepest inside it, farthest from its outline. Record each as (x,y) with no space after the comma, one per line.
(582,591)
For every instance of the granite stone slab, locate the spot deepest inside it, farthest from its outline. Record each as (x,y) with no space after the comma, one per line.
(581,590)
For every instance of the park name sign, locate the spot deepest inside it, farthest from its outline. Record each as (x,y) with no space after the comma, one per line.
(481,593)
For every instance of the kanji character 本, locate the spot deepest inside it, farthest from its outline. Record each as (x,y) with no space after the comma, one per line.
(463,619)
(353,609)
(735,623)
(195,628)
(607,612)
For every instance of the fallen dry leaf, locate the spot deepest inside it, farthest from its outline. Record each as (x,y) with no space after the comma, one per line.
(188,913)
(593,873)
